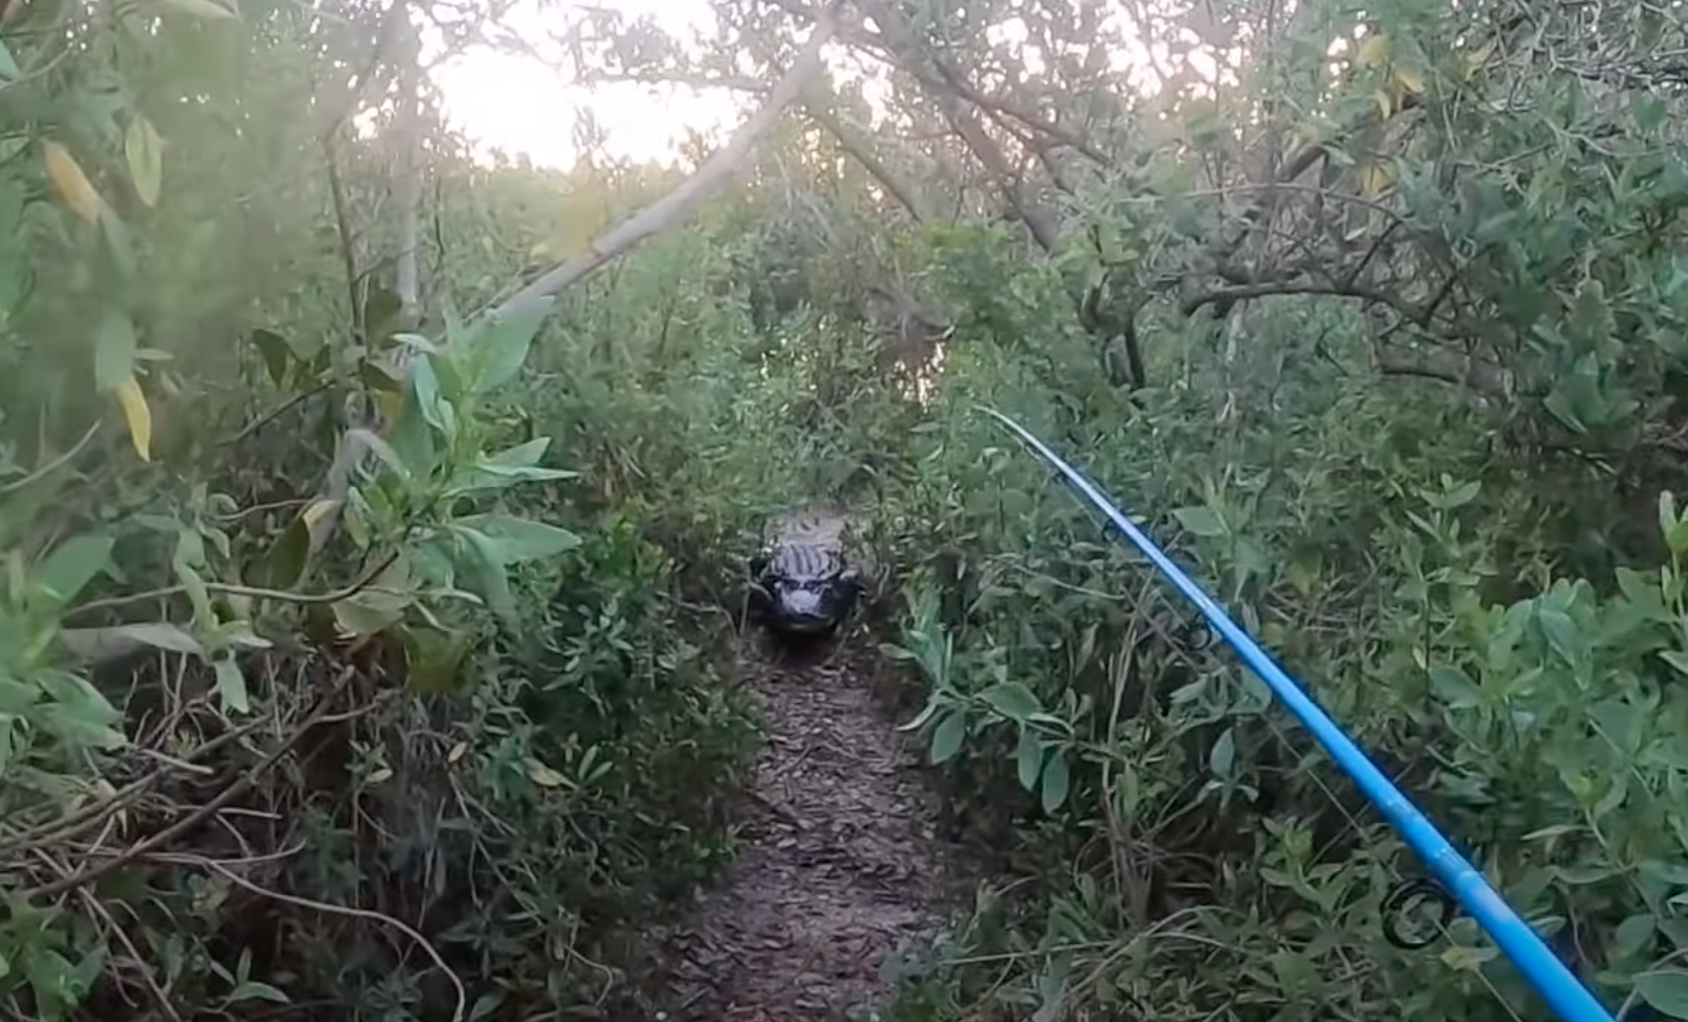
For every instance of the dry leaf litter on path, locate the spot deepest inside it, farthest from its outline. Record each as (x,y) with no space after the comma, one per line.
(842,868)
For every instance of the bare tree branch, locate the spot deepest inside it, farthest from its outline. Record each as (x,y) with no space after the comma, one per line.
(676,205)
(851,143)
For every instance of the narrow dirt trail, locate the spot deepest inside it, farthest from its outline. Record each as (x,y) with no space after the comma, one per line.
(842,869)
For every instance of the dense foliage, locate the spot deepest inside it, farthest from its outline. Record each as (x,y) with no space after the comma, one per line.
(366,655)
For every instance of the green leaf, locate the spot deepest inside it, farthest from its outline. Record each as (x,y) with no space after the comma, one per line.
(507,467)
(379,605)
(478,556)
(1012,700)
(1454,687)
(1634,935)
(433,659)
(1200,521)
(9,71)
(119,246)
(1462,494)
(1667,512)
(72,565)
(1561,633)
(1649,110)
(275,351)
(1563,408)
(79,713)
(381,449)
(381,374)
(252,990)
(1676,658)
(1028,758)
(521,455)
(413,440)
(519,539)
(1223,756)
(284,565)
(231,685)
(114,351)
(932,703)
(426,387)
(1056,780)
(367,613)
(145,152)
(161,635)
(1666,990)
(947,736)
(198,594)
(498,350)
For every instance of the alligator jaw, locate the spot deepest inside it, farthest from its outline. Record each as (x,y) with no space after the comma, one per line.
(806,625)
(807,609)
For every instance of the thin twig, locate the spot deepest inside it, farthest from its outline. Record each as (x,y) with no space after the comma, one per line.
(355,913)
(204,812)
(277,412)
(159,994)
(51,466)
(63,828)
(99,911)
(334,596)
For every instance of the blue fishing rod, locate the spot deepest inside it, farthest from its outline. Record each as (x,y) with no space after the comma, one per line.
(1561,989)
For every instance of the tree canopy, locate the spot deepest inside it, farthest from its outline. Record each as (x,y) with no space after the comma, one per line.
(374,512)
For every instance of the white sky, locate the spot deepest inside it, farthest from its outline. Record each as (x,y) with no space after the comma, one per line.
(520,105)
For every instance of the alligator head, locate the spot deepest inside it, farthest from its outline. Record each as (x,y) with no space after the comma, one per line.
(808,591)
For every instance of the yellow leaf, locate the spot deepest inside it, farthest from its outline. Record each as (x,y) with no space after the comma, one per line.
(457,752)
(1475,61)
(145,151)
(1410,80)
(313,513)
(1374,178)
(108,793)
(136,415)
(387,404)
(202,8)
(1384,107)
(71,183)
(1374,50)
(1462,958)
(543,775)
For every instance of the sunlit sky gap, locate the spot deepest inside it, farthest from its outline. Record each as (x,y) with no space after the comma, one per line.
(521,106)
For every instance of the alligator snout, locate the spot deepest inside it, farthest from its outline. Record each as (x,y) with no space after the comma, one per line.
(807,606)
(799,600)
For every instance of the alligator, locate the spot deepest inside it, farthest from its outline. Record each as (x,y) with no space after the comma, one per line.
(806,584)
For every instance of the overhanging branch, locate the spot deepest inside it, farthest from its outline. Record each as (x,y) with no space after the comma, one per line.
(678,204)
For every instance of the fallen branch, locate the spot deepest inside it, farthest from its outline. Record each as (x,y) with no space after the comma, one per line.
(813,104)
